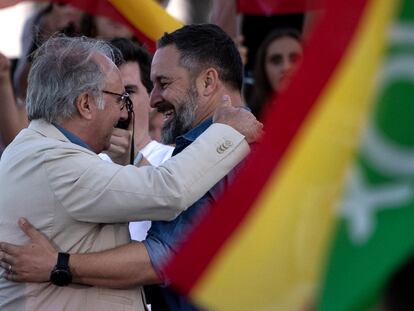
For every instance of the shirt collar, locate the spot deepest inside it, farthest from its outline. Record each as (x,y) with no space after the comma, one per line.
(186,139)
(72,137)
(192,134)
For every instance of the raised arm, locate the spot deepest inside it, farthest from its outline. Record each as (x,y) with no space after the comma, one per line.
(12,117)
(164,191)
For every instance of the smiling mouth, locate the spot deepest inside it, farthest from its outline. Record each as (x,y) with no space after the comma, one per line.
(168,114)
(167,110)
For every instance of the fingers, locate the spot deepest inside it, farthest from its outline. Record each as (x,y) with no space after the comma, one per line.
(257,133)
(226,101)
(6,259)
(222,107)
(35,236)
(8,250)
(254,132)
(10,274)
(7,262)
(115,152)
(28,229)
(121,133)
(13,277)
(119,142)
(121,138)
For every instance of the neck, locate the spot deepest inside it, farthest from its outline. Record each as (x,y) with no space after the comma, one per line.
(82,131)
(206,110)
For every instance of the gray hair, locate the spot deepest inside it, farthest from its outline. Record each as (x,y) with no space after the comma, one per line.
(62,70)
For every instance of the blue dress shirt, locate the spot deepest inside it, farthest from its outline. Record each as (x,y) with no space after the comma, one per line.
(165,237)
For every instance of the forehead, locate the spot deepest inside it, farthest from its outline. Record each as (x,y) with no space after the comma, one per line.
(113,76)
(284,44)
(165,63)
(130,73)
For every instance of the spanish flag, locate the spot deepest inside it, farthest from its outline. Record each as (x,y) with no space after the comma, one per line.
(146,18)
(322,214)
(269,7)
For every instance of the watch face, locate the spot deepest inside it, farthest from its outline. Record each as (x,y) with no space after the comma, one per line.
(60,277)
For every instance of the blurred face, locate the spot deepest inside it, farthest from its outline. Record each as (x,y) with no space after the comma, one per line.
(65,15)
(131,77)
(107,118)
(174,94)
(109,29)
(282,59)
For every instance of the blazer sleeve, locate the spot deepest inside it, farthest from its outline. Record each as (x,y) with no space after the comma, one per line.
(92,190)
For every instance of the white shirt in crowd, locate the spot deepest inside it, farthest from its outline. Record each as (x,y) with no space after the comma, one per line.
(156,154)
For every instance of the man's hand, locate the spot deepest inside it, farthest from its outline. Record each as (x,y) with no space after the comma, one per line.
(28,263)
(240,119)
(120,149)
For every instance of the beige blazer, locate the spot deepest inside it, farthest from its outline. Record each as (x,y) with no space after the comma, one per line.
(83,203)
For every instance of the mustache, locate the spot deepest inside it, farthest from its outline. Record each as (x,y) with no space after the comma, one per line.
(164,106)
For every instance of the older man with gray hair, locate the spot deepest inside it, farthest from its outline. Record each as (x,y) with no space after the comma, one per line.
(52,175)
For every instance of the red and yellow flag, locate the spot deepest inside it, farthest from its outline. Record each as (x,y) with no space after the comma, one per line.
(262,247)
(269,7)
(146,18)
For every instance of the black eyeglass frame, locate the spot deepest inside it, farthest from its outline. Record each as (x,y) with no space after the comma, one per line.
(124,98)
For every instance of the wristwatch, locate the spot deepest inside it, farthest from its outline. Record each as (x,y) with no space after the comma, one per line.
(61,275)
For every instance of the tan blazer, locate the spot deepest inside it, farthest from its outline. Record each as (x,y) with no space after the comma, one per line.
(83,203)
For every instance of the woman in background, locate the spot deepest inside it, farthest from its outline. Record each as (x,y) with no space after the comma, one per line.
(277,59)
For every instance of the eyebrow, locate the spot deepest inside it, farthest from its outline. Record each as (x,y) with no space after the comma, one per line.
(133,87)
(159,77)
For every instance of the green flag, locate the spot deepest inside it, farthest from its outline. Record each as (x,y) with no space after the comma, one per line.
(374,234)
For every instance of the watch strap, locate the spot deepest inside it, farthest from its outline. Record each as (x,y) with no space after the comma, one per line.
(63,260)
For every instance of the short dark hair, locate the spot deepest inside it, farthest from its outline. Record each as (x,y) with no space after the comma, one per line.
(207,45)
(132,52)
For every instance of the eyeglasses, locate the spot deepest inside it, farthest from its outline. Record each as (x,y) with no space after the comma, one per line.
(124,99)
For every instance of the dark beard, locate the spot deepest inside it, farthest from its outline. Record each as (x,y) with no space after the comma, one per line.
(183,119)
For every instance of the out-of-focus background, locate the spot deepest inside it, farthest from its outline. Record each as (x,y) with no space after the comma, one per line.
(12,20)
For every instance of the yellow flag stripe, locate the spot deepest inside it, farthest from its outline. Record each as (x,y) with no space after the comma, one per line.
(147,16)
(273,261)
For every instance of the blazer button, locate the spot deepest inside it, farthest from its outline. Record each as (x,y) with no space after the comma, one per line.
(228,144)
(220,149)
(224,146)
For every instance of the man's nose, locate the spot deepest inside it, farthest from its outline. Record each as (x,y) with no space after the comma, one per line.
(155,97)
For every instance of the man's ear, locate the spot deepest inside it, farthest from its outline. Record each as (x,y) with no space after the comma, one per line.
(210,80)
(85,105)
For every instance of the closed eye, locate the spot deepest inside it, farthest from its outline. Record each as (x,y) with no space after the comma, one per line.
(163,85)
(131,89)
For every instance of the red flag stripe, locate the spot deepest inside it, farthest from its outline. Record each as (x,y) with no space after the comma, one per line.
(325,51)
(104,8)
(269,7)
